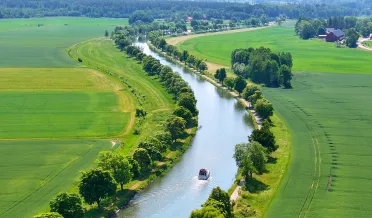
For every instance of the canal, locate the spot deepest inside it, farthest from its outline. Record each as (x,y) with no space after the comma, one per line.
(223,123)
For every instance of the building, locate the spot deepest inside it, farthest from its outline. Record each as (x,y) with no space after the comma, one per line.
(335,35)
(189,19)
(370,36)
(328,30)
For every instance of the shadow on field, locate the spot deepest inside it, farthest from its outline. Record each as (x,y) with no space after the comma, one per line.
(272,160)
(254,186)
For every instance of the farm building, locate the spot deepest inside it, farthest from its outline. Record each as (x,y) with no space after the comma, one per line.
(189,19)
(370,36)
(328,30)
(335,35)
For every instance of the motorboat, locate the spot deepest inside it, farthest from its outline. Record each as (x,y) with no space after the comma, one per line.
(204,174)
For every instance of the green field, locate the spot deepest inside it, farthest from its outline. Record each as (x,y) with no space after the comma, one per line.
(309,55)
(368,43)
(327,114)
(53,111)
(329,174)
(23,44)
(33,171)
(102,55)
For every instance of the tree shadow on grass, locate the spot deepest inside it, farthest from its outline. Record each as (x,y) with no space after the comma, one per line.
(254,186)
(272,160)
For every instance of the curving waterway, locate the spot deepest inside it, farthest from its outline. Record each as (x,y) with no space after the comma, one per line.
(223,123)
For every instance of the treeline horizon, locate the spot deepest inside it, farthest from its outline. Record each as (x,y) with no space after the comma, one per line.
(174,9)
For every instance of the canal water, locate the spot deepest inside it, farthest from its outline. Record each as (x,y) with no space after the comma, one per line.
(223,123)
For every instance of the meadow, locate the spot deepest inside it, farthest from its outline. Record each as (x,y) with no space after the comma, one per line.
(24,44)
(308,55)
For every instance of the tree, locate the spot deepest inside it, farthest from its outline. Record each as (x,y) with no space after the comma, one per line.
(95,185)
(220,75)
(250,157)
(265,137)
(176,126)
(264,108)
(285,76)
(188,101)
(184,113)
(143,159)
(257,156)
(207,212)
(229,82)
(135,170)
(68,205)
(154,148)
(352,37)
(162,44)
(249,90)
(185,55)
(49,215)
(239,84)
(256,96)
(106,34)
(221,196)
(203,66)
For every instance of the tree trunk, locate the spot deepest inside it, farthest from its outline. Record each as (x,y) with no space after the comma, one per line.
(99,204)
(121,186)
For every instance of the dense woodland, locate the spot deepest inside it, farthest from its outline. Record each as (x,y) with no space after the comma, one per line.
(168,9)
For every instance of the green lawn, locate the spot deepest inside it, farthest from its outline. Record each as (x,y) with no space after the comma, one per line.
(309,55)
(23,44)
(368,43)
(33,172)
(329,119)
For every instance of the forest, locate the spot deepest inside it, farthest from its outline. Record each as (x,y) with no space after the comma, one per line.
(167,9)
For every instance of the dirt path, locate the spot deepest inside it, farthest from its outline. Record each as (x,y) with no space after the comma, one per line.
(180,39)
(362,46)
(234,196)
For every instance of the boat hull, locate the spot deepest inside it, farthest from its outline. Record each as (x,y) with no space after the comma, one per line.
(204,177)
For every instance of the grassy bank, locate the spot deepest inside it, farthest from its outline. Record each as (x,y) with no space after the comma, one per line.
(146,92)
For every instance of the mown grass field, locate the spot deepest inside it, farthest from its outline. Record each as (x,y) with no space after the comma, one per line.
(34,171)
(330,123)
(368,43)
(309,55)
(24,44)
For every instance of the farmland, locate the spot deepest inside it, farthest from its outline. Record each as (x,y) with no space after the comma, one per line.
(34,171)
(56,114)
(308,55)
(326,114)
(330,165)
(24,44)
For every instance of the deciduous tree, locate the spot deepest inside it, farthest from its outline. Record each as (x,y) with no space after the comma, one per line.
(95,185)
(68,205)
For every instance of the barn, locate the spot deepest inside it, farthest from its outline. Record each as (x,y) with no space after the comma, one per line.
(335,35)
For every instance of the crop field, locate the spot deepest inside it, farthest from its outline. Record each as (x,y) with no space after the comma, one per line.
(34,171)
(330,167)
(43,103)
(24,44)
(101,54)
(309,55)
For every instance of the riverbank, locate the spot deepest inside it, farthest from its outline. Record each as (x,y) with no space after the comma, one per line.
(267,184)
(151,96)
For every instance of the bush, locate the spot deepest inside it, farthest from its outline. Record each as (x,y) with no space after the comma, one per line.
(80,60)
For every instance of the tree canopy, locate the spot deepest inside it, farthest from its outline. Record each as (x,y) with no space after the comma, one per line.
(68,205)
